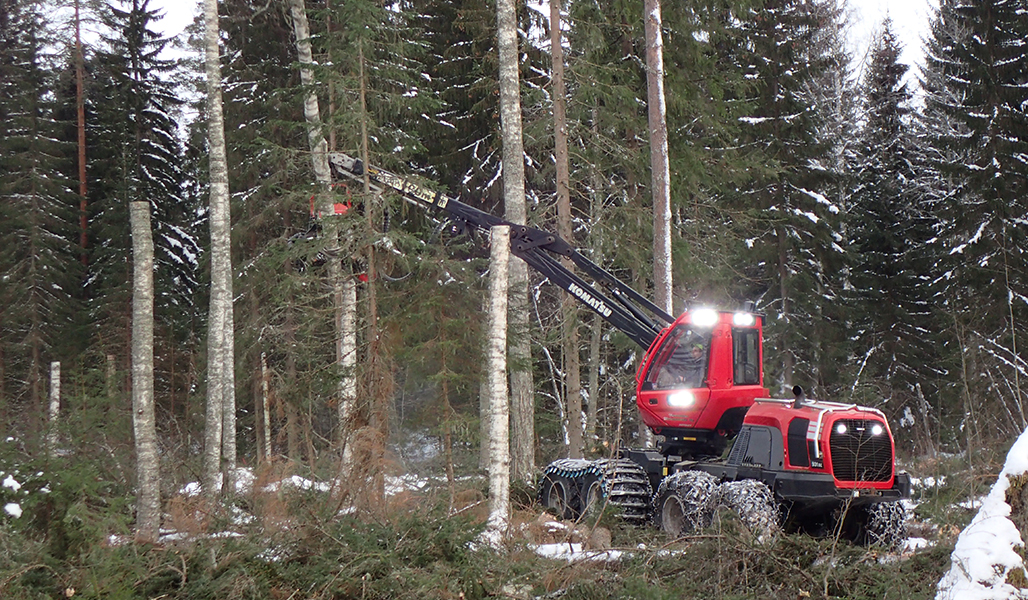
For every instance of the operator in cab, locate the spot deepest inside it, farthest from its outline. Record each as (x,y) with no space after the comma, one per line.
(686,368)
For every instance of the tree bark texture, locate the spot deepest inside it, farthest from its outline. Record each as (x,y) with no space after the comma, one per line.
(148,465)
(220,363)
(344,293)
(659,169)
(499,444)
(515,211)
(569,306)
(54,414)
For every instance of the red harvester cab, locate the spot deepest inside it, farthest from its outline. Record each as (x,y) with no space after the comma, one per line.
(698,379)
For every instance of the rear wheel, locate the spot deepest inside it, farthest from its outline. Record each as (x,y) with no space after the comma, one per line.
(684,502)
(558,494)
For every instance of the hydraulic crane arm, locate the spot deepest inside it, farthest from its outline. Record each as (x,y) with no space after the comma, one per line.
(624,308)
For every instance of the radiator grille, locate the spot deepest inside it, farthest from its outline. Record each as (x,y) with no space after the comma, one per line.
(858,454)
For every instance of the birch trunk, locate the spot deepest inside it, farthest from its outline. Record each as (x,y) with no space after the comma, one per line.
(499,409)
(54,414)
(515,211)
(569,306)
(659,170)
(344,293)
(220,370)
(148,466)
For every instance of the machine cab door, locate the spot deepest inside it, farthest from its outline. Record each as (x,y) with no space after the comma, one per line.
(681,361)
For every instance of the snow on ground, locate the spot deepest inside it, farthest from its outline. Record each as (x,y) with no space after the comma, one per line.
(986,558)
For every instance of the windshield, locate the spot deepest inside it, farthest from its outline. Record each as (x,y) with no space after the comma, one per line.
(681,361)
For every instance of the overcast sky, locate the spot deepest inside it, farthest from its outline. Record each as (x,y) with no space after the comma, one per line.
(910,21)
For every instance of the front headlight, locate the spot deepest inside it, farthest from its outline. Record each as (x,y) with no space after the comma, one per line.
(877,429)
(683,399)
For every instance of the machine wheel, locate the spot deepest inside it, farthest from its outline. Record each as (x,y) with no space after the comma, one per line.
(886,525)
(684,502)
(559,494)
(752,501)
(592,495)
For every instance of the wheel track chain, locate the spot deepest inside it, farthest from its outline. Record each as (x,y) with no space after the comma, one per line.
(624,483)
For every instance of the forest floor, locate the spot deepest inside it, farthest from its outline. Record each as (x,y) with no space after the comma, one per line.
(290,538)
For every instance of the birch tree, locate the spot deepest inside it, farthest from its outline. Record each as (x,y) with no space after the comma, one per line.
(344,294)
(499,408)
(659,170)
(148,466)
(219,434)
(515,211)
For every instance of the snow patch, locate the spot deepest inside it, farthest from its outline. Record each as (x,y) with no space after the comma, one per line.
(986,552)
(11,483)
(13,509)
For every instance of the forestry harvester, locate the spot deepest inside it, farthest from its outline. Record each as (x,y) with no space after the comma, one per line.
(803,464)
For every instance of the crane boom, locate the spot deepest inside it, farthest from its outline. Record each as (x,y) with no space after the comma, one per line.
(619,304)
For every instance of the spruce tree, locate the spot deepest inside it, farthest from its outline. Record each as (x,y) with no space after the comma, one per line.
(789,214)
(38,260)
(975,179)
(887,232)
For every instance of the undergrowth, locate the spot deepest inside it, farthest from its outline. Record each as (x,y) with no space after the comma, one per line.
(417,549)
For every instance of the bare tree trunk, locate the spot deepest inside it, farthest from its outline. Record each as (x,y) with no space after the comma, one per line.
(659,170)
(344,293)
(54,415)
(660,173)
(265,407)
(80,110)
(499,454)
(148,465)
(515,211)
(220,320)
(569,306)
(348,383)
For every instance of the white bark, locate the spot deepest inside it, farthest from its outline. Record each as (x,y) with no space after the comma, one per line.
(266,407)
(344,294)
(515,211)
(52,437)
(348,355)
(148,465)
(499,417)
(220,361)
(659,169)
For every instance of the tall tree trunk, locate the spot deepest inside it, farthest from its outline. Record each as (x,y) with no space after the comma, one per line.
(80,110)
(220,363)
(515,211)
(54,414)
(148,465)
(344,294)
(569,306)
(659,170)
(499,453)
(660,173)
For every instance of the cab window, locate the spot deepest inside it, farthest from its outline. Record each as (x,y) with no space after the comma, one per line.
(681,361)
(746,356)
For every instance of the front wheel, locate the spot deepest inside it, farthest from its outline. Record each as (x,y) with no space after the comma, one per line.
(684,502)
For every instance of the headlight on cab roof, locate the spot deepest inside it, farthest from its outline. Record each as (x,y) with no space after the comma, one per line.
(743,319)
(704,317)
